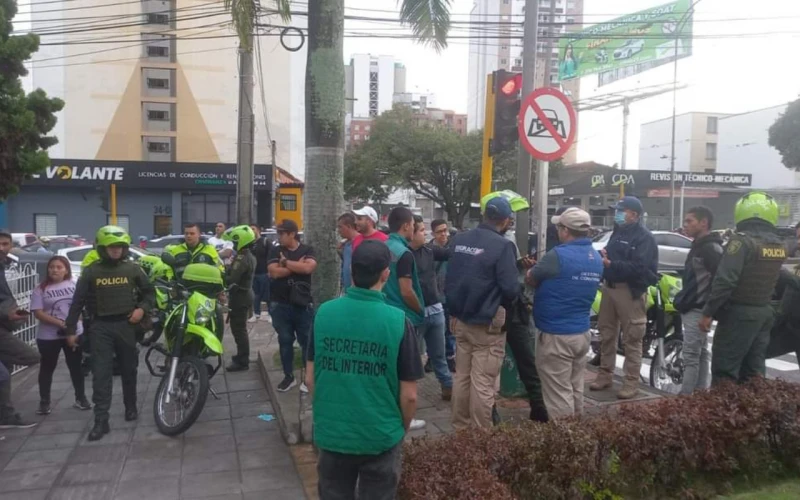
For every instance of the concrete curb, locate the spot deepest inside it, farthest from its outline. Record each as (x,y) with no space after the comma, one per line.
(290,435)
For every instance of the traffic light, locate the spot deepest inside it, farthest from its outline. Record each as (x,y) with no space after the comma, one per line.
(507,87)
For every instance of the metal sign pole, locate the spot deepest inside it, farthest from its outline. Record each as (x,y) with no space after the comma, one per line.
(540,200)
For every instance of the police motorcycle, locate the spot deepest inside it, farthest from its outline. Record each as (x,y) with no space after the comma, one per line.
(191,344)
(663,337)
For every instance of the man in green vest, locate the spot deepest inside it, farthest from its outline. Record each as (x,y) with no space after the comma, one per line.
(363,382)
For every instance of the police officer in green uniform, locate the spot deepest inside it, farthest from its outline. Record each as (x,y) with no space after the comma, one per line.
(240,281)
(194,251)
(118,295)
(742,289)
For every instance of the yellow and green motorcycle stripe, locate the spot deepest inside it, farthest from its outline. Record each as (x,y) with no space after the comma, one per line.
(198,305)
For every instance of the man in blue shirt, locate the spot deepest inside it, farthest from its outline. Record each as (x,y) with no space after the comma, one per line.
(630,260)
(346,225)
(566,282)
(482,281)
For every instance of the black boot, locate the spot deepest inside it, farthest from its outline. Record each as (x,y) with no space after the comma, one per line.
(539,412)
(99,430)
(237,365)
(131,413)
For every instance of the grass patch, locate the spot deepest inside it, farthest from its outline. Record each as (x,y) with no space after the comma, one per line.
(789,490)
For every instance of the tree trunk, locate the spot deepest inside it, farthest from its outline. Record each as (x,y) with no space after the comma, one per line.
(325,109)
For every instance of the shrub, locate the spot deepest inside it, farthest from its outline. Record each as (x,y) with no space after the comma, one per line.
(688,447)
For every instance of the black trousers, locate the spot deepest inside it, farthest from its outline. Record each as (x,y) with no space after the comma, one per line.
(238,319)
(373,477)
(50,350)
(520,341)
(111,337)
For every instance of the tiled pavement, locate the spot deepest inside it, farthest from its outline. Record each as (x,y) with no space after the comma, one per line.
(228,454)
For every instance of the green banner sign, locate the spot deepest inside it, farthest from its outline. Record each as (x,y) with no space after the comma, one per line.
(644,39)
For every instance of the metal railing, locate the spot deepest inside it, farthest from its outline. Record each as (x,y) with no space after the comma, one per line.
(22,279)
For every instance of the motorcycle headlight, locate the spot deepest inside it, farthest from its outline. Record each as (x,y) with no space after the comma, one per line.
(202,317)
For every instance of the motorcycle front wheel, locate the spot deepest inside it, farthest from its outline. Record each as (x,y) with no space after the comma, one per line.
(669,377)
(188,397)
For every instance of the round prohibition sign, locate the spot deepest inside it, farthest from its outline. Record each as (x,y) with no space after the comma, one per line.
(547,124)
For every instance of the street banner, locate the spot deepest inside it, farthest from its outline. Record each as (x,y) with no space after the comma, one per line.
(627,45)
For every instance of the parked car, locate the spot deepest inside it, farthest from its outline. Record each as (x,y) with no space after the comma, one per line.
(673,248)
(53,244)
(629,49)
(156,245)
(23,239)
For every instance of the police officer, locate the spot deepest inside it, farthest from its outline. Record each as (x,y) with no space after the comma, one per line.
(118,295)
(240,280)
(742,289)
(194,251)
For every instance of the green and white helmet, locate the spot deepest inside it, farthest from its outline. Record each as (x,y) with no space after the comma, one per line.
(517,201)
(112,235)
(241,236)
(756,205)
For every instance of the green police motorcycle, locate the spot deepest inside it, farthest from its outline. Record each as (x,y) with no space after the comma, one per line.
(190,344)
(663,337)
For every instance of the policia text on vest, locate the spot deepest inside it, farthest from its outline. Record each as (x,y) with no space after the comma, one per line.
(375,367)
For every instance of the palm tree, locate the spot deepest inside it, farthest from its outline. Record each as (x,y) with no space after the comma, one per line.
(429,20)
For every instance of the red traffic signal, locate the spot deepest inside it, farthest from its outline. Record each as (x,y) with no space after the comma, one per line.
(507,87)
(512,85)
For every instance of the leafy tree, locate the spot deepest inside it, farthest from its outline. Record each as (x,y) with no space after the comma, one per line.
(24,119)
(437,163)
(429,20)
(784,135)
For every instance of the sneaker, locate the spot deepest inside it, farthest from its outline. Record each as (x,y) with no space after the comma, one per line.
(287,383)
(304,388)
(44,408)
(417,424)
(15,422)
(428,366)
(82,403)
(252,319)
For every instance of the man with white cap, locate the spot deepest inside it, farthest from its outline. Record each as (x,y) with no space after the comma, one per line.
(367,226)
(566,281)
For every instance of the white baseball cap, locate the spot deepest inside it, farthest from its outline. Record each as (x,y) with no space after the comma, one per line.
(574,218)
(367,212)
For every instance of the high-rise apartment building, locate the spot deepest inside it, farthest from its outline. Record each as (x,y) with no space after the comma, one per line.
(371,83)
(487,54)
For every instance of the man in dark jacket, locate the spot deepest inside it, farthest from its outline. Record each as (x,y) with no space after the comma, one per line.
(432,328)
(630,260)
(13,351)
(482,278)
(701,265)
(260,251)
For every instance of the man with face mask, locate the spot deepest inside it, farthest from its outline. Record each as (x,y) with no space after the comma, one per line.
(630,260)
(482,281)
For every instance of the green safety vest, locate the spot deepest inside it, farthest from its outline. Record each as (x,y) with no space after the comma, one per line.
(398,245)
(356,400)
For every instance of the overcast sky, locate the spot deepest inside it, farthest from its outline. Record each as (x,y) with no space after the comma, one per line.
(750,63)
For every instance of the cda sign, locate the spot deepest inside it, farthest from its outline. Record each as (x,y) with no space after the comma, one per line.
(65,172)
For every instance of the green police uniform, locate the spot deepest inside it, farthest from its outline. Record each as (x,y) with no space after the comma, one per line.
(399,246)
(111,290)
(89,259)
(240,280)
(740,298)
(203,253)
(356,368)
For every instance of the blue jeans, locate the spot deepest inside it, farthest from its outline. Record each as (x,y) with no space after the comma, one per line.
(260,292)
(291,322)
(696,358)
(449,338)
(432,332)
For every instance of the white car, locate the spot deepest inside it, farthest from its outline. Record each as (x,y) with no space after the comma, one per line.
(75,256)
(673,248)
(629,49)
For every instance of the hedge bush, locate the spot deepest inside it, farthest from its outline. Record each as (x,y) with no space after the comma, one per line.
(686,447)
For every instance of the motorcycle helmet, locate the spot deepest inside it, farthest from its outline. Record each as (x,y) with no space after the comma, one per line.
(241,237)
(516,201)
(108,236)
(756,205)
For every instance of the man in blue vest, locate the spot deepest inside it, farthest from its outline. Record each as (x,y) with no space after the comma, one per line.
(363,380)
(566,281)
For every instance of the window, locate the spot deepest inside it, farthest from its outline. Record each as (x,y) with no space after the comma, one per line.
(672,240)
(367,128)
(158,83)
(123,221)
(154,51)
(45,224)
(503,61)
(158,18)
(711,124)
(711,151)
(288,202)
(356,137)
(78,255)
(157,115)
(158,147)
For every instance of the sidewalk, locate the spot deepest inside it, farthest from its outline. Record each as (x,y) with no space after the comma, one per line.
(228,454)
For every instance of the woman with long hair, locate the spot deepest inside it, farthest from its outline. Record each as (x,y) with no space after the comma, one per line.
(50,304)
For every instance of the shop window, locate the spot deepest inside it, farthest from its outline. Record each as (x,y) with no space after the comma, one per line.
(123,221)
(45,224)
(206,210)
(288,202)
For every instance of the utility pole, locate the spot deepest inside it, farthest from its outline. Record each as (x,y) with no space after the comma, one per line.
(524,166)
(274,154)
(245,207)
(626,111)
